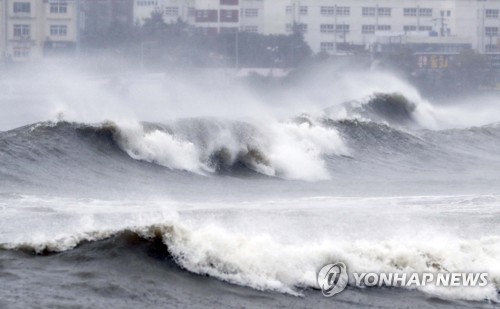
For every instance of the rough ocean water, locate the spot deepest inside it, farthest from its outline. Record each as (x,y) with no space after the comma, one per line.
(209,211)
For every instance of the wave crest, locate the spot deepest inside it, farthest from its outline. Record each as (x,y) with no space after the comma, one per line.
(261,262)
(288,150)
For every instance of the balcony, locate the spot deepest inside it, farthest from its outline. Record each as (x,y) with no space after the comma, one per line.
(21,15)
(22,40)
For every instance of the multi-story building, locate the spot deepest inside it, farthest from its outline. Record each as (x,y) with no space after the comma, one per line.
(172,10)
(339,25)
(207,15)
(32,29)
(3,38)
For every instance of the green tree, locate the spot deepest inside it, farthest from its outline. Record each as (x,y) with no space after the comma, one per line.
(471,70)
(154,27)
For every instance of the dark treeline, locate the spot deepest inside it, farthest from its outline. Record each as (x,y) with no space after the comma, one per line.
(157,42)
(158,45)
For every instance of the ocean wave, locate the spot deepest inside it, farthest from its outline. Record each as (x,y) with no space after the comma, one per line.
(285,149)
(263,263)
(386,108)
(302,148)
(288,150)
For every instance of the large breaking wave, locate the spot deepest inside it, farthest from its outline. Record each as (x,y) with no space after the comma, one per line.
(383,136)
(290,150)
(263,262)
(383,130)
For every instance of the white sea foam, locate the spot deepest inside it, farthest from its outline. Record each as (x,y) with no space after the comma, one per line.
(261,262)
(297,150)
(61,93)
(290,150)
(281,245)
(161,148)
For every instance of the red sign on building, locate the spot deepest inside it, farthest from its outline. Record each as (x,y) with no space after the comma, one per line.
(206,16)
(229,2)
(229,16)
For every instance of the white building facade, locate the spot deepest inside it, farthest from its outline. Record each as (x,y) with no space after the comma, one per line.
(32,29)
(209,15)
(335,26)
(3,38)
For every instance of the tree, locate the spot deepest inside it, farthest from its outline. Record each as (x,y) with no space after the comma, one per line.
(154,27)
(299,49)
(471,70)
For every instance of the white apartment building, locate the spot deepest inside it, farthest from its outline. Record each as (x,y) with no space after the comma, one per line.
(32,29)
(2,31)
(171,9)
(488,25)
(209,15)
(336,25)
(330,25)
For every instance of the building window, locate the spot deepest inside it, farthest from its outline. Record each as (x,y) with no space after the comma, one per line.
(301,27)
(343,28)
(425,12)
(327,10)
(58,30)
(21,52)
(58,8)
(289,10)
(22,30)
(230,16)
(384,28)
(491,13)
(368,11)
(172,11)
(228,29)
(327,28)
(147,3)
(22,7)
(251,29)
(425,28)
(343,11)
(368,29)
(491,48)
(410,12)
(326,46)
(303,10)
(409,28)
(332,10)
(384,11)
(229,2)
(206,16)
(491,31)
(251,12)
